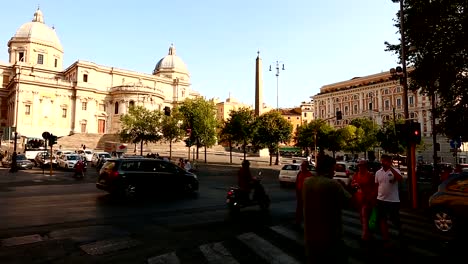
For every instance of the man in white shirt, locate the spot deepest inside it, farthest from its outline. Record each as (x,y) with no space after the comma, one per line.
(187,165)
(388,198)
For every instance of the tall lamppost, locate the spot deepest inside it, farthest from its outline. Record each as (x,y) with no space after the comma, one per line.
(277,99)
(277,81)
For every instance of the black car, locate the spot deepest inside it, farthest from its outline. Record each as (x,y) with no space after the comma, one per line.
(131,177)
(449,205)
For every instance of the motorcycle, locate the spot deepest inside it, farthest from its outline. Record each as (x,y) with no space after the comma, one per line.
(237,199)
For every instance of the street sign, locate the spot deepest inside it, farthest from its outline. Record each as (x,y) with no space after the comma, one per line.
(455,143)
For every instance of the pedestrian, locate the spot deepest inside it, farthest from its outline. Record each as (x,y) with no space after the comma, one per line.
(388,198)
(365,196)
(302,175)
(79,169)
(187,166)
(324,198)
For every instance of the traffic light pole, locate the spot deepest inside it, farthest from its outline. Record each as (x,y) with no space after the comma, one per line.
(50,159)
(414,183)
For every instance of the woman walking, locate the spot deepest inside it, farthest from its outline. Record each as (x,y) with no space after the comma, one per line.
(303,174)
(365,197)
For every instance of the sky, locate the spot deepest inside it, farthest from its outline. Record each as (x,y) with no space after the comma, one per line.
(319,42)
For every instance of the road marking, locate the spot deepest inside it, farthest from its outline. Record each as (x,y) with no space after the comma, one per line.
(22,240)
(109,245)
(217,254)
(267,251)
(169,258)
(288,233)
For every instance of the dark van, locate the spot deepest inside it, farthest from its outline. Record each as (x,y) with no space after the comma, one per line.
(130,177)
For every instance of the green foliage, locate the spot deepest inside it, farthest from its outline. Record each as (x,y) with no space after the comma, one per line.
(140,125)
(436,31)
(239,127)
(200,116)
(317,129)
(271,130)
(171,126)
(365,135)
(390,140)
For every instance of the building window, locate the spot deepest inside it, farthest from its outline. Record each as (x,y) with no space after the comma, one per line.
(297,117)
(398,89)
(131,104)
(55,63)
(64,113)
(411,100)
(305,114)
(85,77)
(398,102)
(370,106)
(116,108)
(84,106)
(83,127)
(387,104)
(102,107)
(27,109)
(355,109)
(40,59)
(411,115)
(346,110)
(21,56)
(386,91)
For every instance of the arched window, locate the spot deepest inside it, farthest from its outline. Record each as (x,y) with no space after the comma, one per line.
(116,108)
(131,104)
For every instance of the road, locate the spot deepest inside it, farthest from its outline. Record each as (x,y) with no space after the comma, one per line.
(68,221)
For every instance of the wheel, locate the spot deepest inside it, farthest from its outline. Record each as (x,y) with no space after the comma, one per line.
(443,220)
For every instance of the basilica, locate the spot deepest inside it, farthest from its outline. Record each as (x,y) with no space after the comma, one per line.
(39,94)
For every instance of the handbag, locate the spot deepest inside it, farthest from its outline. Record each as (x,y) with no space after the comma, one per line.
(373,219)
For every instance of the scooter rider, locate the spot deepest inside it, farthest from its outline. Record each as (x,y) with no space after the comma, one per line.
(245,179)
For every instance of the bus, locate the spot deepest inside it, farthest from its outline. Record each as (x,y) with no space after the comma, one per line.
(32,146)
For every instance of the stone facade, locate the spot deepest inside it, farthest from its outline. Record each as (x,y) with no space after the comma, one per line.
(37,95)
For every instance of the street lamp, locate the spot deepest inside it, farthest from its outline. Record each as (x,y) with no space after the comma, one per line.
(277,82)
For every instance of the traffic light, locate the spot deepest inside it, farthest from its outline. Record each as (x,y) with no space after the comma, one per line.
(52,140)
(415,132)
(339,115)
(167,111)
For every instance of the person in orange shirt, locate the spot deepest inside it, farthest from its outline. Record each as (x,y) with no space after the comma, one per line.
(303,174)
(365,196)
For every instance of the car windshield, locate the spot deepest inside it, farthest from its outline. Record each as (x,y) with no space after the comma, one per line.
(88,152)
(20,157)
(104,155)
(340,167)
(74,157)
(290,167)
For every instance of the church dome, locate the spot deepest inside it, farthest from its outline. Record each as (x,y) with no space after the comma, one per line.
(171,63)
(37,31)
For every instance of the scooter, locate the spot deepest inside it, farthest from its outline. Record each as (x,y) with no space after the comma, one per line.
(237,199)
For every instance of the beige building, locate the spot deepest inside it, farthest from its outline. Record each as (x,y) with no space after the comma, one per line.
(223,109)
(379,98)
(307,112)
(38,95)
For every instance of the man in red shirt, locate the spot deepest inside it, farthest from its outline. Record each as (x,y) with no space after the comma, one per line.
(245,179)
(303,174)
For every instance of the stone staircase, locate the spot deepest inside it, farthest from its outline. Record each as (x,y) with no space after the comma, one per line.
(96,141)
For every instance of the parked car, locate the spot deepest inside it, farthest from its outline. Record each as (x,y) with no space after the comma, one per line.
(131,177)
(43,160)
(97,156)
(68,161)
(21,162)
(87,154)
(344,171)
(288,173)
(449,205)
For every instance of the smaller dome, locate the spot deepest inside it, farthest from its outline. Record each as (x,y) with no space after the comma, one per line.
(36,30)
(171,62)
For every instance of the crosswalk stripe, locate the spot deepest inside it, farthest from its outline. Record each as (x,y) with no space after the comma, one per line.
(216,253)
(267,251)
(169,258)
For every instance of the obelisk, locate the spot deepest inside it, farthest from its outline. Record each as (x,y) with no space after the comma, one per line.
(258,86)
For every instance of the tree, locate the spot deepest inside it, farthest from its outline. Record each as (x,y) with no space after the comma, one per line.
(271,130)
(314,134)
(436,31)
(140,125)
(390,139)
(171,127)
(365,139)
(199,116)
(239,129)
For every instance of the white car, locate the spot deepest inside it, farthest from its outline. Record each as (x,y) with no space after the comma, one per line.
(97,155)
(344,172)
(68,161)
(87,153)
(288,173)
